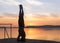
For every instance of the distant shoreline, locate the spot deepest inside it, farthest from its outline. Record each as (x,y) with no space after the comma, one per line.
(44,26)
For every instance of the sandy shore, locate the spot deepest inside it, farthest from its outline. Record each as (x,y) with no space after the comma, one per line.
(13,40)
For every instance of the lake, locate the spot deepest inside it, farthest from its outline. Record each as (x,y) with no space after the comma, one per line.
(35,33)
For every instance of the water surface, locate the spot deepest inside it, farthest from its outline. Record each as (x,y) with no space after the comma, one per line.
(35,33)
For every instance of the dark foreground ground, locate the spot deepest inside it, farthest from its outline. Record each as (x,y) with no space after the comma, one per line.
(13,40)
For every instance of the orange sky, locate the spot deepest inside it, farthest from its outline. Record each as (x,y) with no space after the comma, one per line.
(32,20)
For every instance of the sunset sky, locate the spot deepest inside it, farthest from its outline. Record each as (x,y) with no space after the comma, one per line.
(37,12)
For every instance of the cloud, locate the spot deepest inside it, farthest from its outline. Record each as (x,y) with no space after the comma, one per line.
(1,16)
(34,2)
(9,2)
(47,15)
(10,15)
(40,16)
(55,15)
(44,14)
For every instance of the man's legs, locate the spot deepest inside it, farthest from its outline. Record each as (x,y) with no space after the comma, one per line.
(21,35)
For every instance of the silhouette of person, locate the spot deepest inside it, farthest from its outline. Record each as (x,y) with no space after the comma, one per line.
(21,35)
